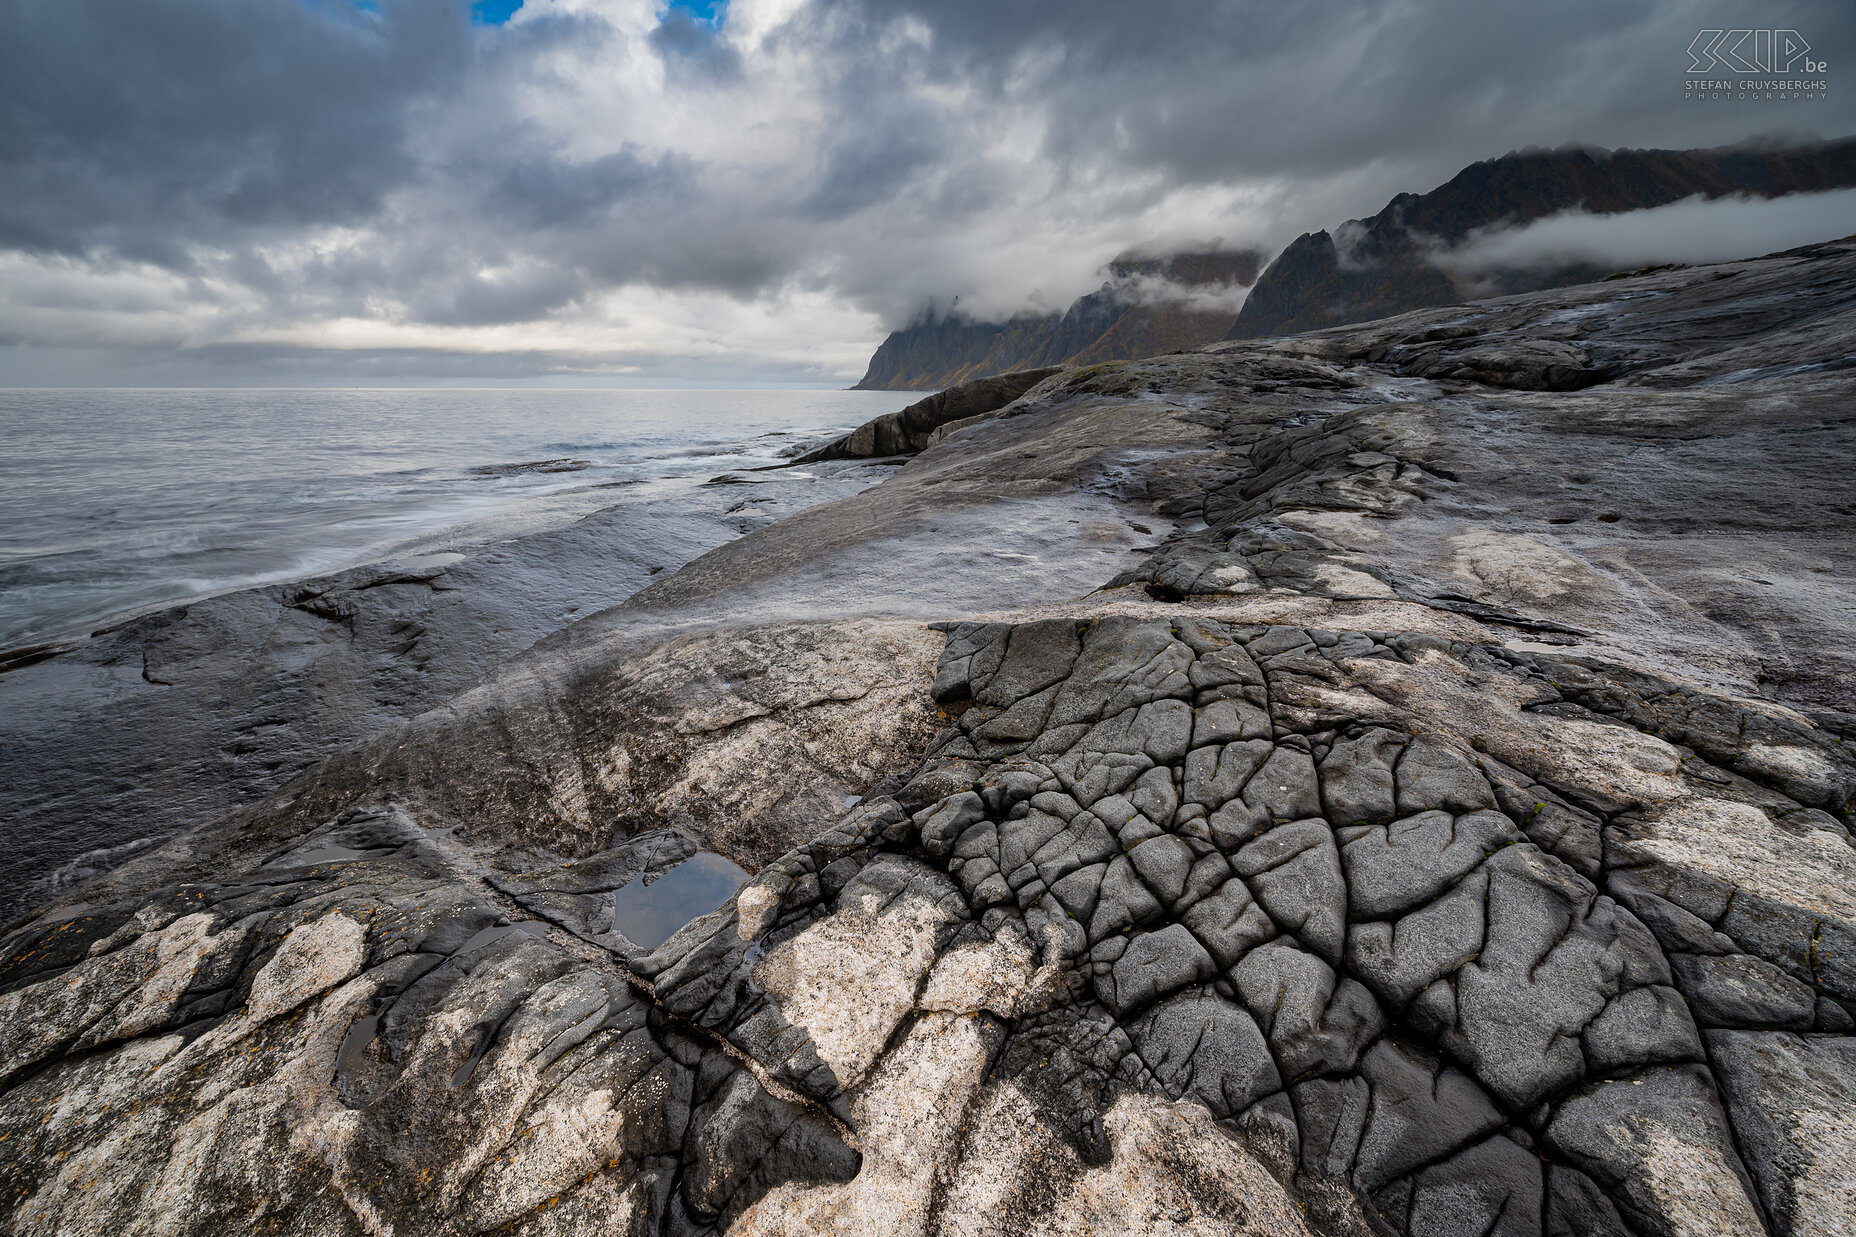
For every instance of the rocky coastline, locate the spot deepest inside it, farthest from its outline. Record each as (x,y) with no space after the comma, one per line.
(1388,780)
(119,737)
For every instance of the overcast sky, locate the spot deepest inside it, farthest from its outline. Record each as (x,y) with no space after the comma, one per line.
(349,192)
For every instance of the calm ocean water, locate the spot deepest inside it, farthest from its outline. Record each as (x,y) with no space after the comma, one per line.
(116,499)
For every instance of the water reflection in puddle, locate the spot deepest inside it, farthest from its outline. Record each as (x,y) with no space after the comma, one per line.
(649,914)
(359,1036)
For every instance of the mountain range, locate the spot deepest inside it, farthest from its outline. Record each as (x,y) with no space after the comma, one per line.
(1362,270)
(1149,305)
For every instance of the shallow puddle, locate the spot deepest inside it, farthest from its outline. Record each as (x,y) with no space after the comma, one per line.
(649,914)
(359,1036)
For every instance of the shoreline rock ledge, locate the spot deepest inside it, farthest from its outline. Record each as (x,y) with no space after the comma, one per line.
(1435,821)
(924,422)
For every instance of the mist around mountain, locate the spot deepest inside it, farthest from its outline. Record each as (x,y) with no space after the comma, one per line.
(1150,304)
(1442,247)
(1524,222)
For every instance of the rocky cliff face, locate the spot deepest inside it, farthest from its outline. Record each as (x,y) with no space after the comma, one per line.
(1141,311)
(1434,821)
(1380,266)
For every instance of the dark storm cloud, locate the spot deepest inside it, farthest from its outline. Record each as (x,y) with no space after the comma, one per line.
(1206,89)
(873,166)
(140,124)
(694,47)
(530,191)
(305,161)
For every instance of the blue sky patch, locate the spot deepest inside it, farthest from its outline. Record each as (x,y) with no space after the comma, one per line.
(493,12)
(710,12)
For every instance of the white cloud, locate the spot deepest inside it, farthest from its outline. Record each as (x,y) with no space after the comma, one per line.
(1691,231)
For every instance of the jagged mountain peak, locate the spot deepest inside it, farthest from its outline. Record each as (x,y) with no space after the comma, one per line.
(1388,263)
(1150,303)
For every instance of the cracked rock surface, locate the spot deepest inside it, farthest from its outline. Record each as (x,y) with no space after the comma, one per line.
(1305,879)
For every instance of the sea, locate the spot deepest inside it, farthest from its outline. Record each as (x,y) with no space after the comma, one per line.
(116,500)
